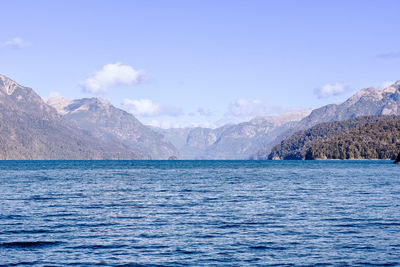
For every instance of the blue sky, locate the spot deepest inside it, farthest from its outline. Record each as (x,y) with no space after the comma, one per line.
(200,62)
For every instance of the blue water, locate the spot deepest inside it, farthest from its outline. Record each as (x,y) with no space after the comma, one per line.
(175,213)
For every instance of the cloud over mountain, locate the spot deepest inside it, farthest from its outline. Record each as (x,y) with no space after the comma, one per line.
(204,112)
(329,90)
(243,107)
(111,75)
(146,108)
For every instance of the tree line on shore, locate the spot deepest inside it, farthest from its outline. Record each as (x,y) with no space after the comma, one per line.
(369,137)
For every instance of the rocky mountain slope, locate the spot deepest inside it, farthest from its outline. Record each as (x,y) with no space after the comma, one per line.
(369,101)
(110,124)
(31,129)
(358,138)
(232,141)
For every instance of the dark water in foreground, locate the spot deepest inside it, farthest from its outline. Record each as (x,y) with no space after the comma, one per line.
(170,213)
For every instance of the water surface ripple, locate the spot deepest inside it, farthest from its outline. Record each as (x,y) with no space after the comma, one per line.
(178,213)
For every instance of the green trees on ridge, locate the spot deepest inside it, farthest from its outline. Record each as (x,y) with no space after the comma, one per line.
(370,137)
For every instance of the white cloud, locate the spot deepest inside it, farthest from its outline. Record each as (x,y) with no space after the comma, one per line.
(205,112)
(241,110)
(385,84)
(141,107)
(329,90)
(15,43)
(54,94)
(110,76)
(249,108)
(166,124)
(146,108)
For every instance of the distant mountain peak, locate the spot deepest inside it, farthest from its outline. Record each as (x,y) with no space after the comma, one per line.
(373,94)
(94,100)
(88,103)
(7,85)
(392,88)
(65,106)
(370,92)
(292,115)
(59,103)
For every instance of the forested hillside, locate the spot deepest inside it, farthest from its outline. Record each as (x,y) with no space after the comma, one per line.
(370,137)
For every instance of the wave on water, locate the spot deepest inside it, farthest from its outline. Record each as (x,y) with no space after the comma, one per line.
(28,244)
(194,213)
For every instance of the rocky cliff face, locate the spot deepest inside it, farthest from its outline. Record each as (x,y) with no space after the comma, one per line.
(109,123)
(31,129)
(368,101)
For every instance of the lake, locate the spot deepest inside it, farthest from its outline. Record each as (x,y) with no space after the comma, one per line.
(179,213)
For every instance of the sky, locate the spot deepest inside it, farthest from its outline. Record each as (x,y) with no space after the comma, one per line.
(201,63)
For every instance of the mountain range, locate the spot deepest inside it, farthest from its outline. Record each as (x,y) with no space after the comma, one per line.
(92,128)
(82,129)
(231,141)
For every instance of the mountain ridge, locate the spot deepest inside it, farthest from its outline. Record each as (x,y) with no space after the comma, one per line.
(366,102)
(107,122)
(31,129)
